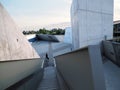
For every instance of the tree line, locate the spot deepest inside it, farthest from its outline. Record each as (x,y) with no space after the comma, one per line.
(55,31)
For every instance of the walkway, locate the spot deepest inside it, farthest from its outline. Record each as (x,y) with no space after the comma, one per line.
(49,81)
(112,76)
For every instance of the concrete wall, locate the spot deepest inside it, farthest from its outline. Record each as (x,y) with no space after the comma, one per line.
(12,72)
(112,51)
(82,69)
(29,83)
(117,52)
(13,45)
(92,21)
(68,35)
(109,51)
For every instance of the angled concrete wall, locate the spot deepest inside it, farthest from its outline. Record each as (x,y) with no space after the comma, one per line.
(112,51)
(81,69)
(109,51)
(12,72)
(92,21)
(13,45)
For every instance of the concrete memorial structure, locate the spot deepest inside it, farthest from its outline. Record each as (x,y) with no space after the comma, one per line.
(13,44)
(20,65)
(92,21)
(81,69)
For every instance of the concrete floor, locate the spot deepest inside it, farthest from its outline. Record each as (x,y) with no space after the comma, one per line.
(112,76)
(49,81)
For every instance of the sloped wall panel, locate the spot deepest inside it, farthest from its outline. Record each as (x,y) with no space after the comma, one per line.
(13,44)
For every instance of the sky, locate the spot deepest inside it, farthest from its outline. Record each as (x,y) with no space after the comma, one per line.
(38,13)
(116,10)
(33,13)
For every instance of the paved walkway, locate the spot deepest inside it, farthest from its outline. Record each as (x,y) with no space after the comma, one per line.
(49,81)
(112,76)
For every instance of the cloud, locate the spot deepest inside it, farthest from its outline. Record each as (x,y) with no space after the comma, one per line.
(34,22)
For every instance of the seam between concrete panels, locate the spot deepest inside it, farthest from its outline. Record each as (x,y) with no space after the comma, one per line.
(94,11)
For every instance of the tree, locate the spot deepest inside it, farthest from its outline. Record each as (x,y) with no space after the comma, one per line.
(54,31)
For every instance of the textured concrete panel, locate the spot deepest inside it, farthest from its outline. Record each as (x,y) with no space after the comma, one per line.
(107,6)
(82,4)
(75,33)
(116,47)
(82,69)
(91,22)
(93,25)
(97,67)
(94,5)
(94,41)
(13,45)
(107,25)
(109,50)
(85,43)
(75,5)
(83,28)
(12,72)
(112,51)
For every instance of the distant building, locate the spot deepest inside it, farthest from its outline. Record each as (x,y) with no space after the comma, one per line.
(68,35)
(116,28)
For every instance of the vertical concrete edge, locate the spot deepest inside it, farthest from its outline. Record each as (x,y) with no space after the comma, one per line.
(97,67)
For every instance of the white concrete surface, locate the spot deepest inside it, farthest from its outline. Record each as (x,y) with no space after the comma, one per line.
(13,44)
(92,20)
(68,35)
